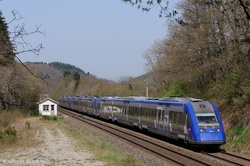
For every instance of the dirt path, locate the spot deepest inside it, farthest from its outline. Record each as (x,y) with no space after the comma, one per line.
(56,149)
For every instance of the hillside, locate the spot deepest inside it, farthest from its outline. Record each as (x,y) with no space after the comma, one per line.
(60,83)
(66,67)
(42,69)
(54,72)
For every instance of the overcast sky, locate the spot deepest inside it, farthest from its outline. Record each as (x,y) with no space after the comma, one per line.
(105,38)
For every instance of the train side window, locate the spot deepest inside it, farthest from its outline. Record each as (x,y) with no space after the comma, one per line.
(147,112)
(133,111)
(189,123)
(143,112)
(179,118)
(107,107)
(175,117)
(117,108)
(124,108)
(170,117)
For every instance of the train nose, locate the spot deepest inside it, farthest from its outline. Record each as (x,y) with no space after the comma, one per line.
(211,136)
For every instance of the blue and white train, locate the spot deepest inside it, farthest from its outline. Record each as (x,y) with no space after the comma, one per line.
(190,120)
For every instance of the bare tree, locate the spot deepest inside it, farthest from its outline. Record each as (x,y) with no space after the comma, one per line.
(213,41)
(17,38)
(13,81)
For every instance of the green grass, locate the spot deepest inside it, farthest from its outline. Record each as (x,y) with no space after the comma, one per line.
(52,118)
(238,140)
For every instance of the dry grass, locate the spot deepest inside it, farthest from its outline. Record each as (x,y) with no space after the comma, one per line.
(28,127)
(17,130)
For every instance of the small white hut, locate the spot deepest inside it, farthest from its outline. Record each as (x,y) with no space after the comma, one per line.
(48,107)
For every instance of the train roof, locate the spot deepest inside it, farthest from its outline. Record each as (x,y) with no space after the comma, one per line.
(141,99)
(172,99)
(180,99)
(135,98)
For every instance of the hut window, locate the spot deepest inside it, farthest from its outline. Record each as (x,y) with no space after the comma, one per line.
(45,107)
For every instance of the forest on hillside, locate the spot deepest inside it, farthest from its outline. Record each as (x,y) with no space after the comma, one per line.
(63,67)
(206,55)
(67,67)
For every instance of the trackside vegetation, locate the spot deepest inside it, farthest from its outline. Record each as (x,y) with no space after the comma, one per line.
(238,140)
(19,131)
(103,150)
(15,131)
(51,118)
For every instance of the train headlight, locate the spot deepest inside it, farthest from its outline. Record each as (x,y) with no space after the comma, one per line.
(202,130)
(217,130)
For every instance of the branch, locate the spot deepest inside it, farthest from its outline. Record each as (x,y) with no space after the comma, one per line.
(16,16)
(245,9)
(17,39)
(42,77)
(164,8)
(11,104)
(33,50)
(20,32)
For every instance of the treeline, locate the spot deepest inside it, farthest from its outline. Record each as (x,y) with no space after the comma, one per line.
(66,67)
(209,46)
(206,56)
(6,48)
(37,63)
(63,67)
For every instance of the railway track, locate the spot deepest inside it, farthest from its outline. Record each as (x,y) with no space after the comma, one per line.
(229,158)
(157,148)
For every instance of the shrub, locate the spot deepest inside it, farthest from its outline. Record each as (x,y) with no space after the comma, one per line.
(235,87)
(8,133)
(176,89)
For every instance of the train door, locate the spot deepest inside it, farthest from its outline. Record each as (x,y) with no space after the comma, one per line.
(177,124)
(96,106)
(185,125)
(70,102)
(165,121)
(167,125)
(160,118)
(125,110)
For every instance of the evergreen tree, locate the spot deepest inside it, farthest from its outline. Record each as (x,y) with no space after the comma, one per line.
(6,48)
(66,73)
(63,67)
(76,76)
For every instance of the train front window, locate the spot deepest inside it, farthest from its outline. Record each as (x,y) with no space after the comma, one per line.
(206,118)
